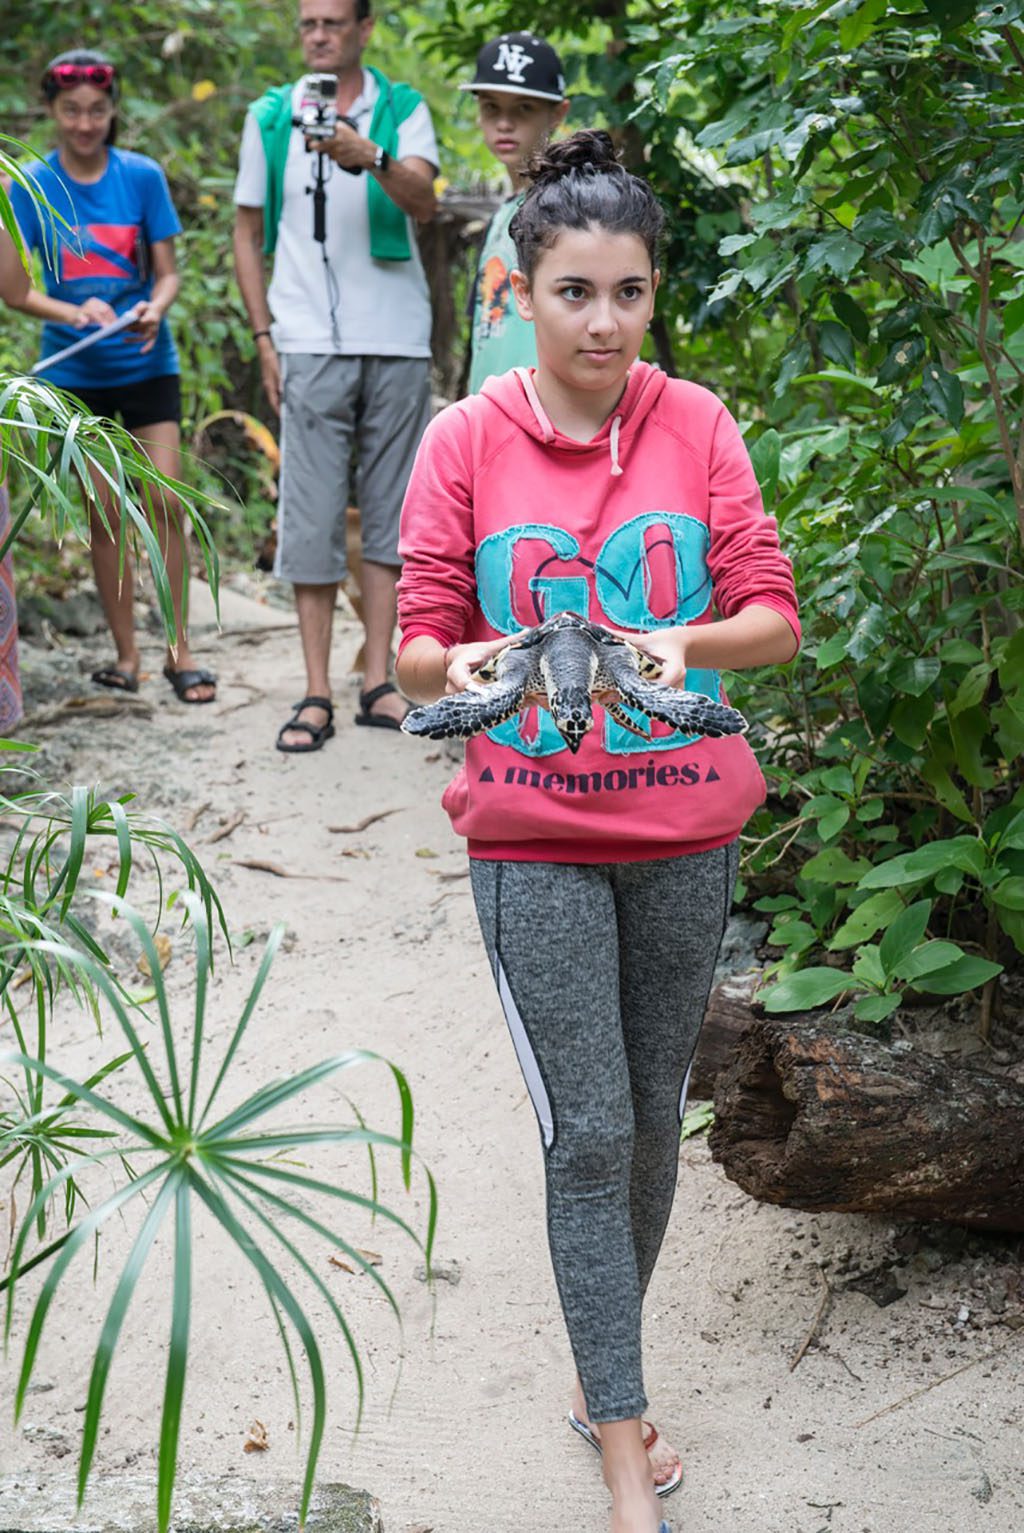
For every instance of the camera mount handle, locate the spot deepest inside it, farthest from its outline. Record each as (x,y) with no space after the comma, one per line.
(319,194)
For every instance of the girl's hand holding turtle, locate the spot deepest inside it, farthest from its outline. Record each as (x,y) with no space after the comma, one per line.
(94,312)
(668,647)
(462,660)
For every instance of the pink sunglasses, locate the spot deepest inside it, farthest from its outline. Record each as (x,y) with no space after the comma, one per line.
(65,76)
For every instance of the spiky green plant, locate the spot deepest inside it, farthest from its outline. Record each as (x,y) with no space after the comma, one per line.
(41,874)
(183,1155)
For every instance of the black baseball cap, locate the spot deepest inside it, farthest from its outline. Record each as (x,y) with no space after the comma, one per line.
(519,64)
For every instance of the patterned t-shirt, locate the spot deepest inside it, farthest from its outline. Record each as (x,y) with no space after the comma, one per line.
(500,338)
(100,251)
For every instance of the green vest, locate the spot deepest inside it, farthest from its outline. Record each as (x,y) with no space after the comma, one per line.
(389,234)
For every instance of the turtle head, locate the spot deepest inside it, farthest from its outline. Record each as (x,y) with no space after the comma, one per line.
(572,714)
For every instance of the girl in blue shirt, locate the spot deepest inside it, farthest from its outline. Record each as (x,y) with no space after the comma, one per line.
(117,255)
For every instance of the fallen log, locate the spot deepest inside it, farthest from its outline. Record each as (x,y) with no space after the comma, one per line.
(727,1018)
(814,1118)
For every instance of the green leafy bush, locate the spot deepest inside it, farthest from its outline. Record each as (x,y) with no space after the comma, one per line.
(844,266)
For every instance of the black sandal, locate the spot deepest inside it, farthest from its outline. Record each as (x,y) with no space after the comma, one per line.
(376,720)
(184,681)
(317,736)
(119,681)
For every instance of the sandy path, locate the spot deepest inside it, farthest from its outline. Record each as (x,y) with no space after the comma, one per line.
(383,953)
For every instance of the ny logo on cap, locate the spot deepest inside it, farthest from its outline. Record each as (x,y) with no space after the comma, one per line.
(512,60)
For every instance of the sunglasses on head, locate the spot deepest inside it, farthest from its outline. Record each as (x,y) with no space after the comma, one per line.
(66,75)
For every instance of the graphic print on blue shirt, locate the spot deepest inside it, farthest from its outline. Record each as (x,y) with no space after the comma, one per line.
(651,572)
(102,254)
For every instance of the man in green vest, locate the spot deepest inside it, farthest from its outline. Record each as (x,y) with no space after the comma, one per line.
(343,335)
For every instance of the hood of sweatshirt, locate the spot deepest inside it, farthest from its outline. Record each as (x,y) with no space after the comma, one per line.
(656,522)
(515,395)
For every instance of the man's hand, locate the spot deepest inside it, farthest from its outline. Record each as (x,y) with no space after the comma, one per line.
(94,312)
(270,371)
(347,148)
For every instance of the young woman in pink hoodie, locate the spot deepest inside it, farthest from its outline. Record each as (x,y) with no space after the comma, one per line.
(596,484)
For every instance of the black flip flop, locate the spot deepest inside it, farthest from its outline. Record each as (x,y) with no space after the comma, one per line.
(182,681)
(376,720)
(117,680)
(317,737)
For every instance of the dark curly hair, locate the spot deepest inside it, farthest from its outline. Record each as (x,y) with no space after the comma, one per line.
(577,183)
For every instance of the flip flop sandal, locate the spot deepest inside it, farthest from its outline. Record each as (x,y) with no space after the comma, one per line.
(183,681)
(376,720)
(650,1439)
(317,736)
(118,681)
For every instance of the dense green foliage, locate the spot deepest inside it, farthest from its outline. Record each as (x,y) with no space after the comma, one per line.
(843,266)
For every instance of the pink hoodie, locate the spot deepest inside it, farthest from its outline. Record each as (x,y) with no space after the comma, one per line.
(507,522)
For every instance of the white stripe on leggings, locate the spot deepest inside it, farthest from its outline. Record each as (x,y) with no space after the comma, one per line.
(527,1059)
(686,1088)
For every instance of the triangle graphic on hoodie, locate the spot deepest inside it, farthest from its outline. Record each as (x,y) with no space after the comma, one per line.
(712,776)
(486,775)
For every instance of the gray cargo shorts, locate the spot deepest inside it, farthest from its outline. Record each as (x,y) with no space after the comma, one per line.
(329,403)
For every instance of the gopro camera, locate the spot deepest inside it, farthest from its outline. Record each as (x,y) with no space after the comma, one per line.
(317,116)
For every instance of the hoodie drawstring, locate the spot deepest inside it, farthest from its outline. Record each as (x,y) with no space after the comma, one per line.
(614,444)
(548,431)
(530,390)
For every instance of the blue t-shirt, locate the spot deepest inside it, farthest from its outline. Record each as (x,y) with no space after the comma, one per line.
(104,255)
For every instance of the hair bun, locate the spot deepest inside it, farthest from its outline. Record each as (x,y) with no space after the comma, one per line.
(587,150)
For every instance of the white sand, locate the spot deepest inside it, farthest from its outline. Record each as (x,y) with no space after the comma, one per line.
(470,1435)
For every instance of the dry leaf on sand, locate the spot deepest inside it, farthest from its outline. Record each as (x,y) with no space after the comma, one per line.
(256,1440)
(163,953)
(371,1258)
(229,825)
(363,824)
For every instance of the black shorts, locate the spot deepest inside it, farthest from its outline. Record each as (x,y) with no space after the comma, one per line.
(147,403)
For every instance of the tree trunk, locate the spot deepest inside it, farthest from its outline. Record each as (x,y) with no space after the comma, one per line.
(813,1118)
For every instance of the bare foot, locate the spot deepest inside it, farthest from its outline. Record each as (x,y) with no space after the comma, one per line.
(634,1510)
(664,1460)
(627,1474)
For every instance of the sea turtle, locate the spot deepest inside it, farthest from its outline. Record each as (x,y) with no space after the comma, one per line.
(568,659)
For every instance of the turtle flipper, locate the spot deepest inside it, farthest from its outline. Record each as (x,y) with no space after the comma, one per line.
(618,713)
(694,713)
(691,712)
(465,714)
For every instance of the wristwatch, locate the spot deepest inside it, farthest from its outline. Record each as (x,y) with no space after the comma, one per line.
(381,159)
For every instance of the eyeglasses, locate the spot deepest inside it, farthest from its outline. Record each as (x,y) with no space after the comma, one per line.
(67,75)
(329,23)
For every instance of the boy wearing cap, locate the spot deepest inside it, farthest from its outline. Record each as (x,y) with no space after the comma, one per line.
(520,91)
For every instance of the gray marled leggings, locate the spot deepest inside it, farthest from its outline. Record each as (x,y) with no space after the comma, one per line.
(604,974)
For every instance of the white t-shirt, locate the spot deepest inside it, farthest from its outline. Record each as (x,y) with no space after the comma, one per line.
(382,308)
